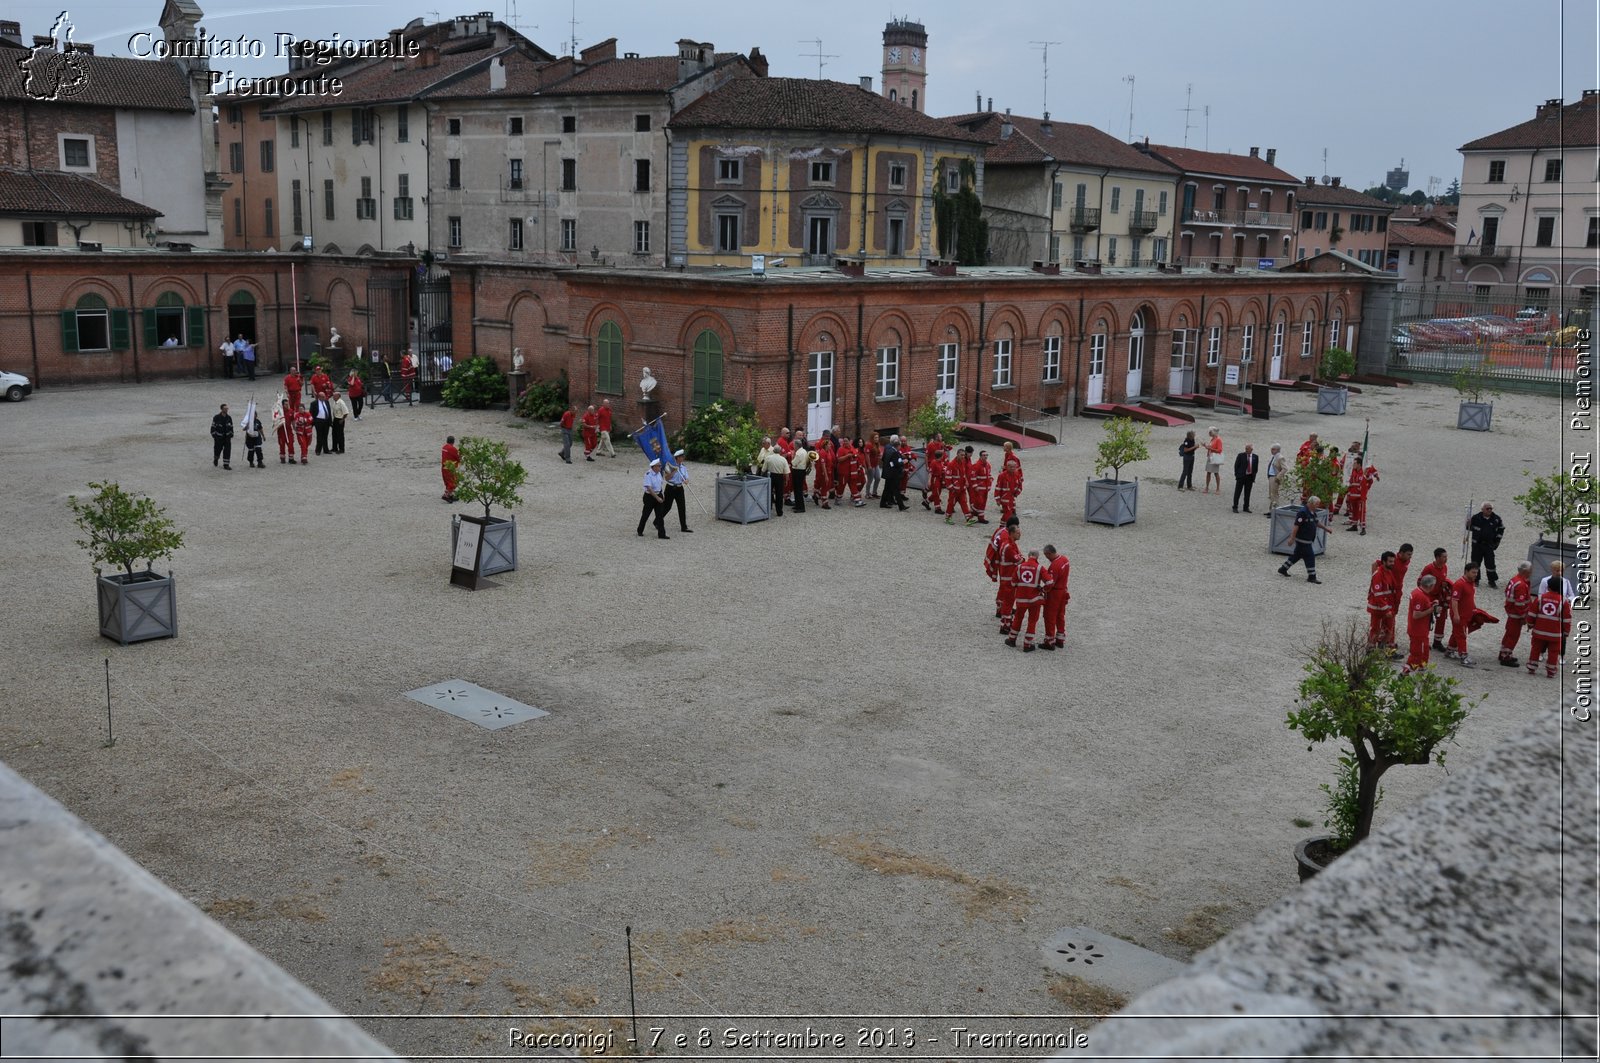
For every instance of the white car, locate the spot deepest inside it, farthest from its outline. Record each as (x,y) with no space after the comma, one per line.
(15,386)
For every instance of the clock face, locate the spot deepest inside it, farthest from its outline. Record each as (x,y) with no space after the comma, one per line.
(916,57)
(894,55)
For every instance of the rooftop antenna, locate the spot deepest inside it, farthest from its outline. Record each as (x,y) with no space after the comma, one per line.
(1128,78)
(819,56)
(511,17)
(574,28)
(1324,165)
(1207,110)
(1044,46)
(1188,112)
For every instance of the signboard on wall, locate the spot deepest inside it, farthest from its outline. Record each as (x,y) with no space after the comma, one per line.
(1232,376)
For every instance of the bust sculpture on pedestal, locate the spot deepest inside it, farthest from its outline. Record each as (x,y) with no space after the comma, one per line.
(647,385)
(333,336)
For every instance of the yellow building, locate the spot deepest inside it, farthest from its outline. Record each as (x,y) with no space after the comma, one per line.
(809,171)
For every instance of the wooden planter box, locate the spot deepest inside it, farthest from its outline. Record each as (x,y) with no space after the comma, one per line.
(1475,416)
(1332,400)
(137,607)
(1281,536)
(499,553)
(1112,502)
(744,499)
(1541,553)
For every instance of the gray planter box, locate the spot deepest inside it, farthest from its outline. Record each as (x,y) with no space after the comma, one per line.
(1113,502)
(1332,400)
(918,480)
(1281,536)
(137,607)
(499,553)
(744,499)
(1541,553)
(1475,416)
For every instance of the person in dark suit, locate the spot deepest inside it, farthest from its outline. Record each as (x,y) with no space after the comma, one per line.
(322,420)
(893,464)
(1244,476)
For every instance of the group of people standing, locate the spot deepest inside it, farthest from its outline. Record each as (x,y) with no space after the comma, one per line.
(1027,585)
(240,352)
(323,414)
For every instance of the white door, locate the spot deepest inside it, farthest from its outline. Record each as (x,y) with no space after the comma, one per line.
(1135,380)
(1096,391)
(819,394)
(1181,372)
(1277,352)
(944,386)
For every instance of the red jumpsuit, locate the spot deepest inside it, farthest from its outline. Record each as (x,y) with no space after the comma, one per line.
(1465,596)
(1008,485)
(851,474)
(448,456)
(1442,590)
(1055,602)
(1519,607)
(1006,562)
(1360,487)
(322,385)
(1552,621)
(283,427)
(291,385)
(1030,583)
(991,562)
(955,483)
(1383,598)
(978,480)
(909,462)
(302,432)
(408,375)
(822,479)
(591,433)
(1419,618)
(935,481)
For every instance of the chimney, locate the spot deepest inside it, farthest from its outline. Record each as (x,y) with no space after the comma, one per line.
(1336,182)
(1049,269)
(597,53)
(1589,95)
(991,104)
(851,267)
(1255,153)
(429,56)
(497,73)
(866,82)
(1547,109)
(1046,127)
(12,31)
(42,40)
(86,49)
(1006,128)
(977,107)
(1272,156)
(758,63)
(1311,182)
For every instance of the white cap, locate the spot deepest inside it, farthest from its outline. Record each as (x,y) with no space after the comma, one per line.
(655,461)
(677,453)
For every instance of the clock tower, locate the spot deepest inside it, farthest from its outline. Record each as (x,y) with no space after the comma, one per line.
(905,64)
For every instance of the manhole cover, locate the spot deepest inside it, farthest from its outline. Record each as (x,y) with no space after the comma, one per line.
(1107,961)
(469,701)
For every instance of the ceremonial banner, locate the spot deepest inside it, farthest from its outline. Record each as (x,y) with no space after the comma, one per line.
(652,439)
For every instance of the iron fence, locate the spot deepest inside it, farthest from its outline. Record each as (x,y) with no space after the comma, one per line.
(1536,339)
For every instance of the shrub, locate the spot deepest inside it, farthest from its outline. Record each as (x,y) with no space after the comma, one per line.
(1472,381)
(544,400)
(1126,441)
(1337,362)
(1559,504)
(123,528)
(487,475)
(706,435)
(1317,474)
(474,384)
(929,420)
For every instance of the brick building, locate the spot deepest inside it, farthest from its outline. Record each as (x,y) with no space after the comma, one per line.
(1233,209)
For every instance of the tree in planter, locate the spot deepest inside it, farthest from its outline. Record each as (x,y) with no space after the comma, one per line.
(1472,380)
(487,475)
(1125,442)
(475,383)
(929,420)
(1337,362)
(1316,475)
(122,529)
(739,442)
(1558,505)
(1351,692)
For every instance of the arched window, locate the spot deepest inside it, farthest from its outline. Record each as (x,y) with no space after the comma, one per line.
(91,326)
(608,377)
(1308,329)
(886,367)
(168,324)
(241,316)
(1136,343)
(707,368)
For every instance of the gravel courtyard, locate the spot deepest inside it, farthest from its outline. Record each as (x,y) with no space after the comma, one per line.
(795,757)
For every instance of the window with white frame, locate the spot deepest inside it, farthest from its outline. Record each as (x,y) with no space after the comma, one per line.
(1247,343)
(77,152)
(1334,328)
(641,238)
(1097,353)
(822,171)
(886,374)
(1307,328)
(897,175)
(455,231)
(569,234)
(1002,363)
(1279,327)
(730,171)
(1213,346)
(1052,359)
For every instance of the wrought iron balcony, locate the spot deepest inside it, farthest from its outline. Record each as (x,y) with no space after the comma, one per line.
(1252,219)
(1494,254)
(1141,222)
(1084,219)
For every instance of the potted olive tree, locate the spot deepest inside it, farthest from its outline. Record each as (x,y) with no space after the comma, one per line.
(1472,383)
(1115,501)
(487,475)
(1333,397)
(1316,475)
(1352,693)
(1559,506)
(121,530)
(728,434)
(927,421)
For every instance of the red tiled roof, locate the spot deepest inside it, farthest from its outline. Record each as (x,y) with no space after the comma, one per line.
(522,79)
(1033,141)
(47,192)
(1221,164)
(1574,125)
(378,81)
(85,80)
(811,105)
(1328,195)
(1420,234)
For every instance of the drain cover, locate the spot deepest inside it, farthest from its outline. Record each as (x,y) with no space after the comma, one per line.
(472,702)
(1107,961)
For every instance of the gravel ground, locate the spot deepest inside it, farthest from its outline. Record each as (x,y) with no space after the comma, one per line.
(794,756)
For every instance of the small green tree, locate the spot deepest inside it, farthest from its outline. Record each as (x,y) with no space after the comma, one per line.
(1316,475)
(487,475)
(722,433)
(929,420)
(1473,380)
(122,528)
(1351,692)
(739,443)
(475,383)
(1337,362)
(1558,505)
(1125,442)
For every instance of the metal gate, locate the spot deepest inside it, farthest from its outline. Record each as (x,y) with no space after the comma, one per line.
(434,338)
(386,317)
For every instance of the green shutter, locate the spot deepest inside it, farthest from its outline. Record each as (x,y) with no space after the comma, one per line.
(119,330)
(195,334)
(714,376)
(69,331)
(150,340)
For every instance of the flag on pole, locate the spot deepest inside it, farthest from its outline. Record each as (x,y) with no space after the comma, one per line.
(652,439)
(249,417)
(1366,445)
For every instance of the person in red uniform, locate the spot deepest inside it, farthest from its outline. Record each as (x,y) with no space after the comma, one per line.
(321,384)
(1308,448)
(1442,590)
(851,475)
(935,488)
(1006,562)
(1463,607)
(979,480)
(604,424)
(822,480)
(1006,488)
(591,433)
(283,428)
(569,417)
(908,457)
(291,387)
(449,458)
(303,426)
(991,561)
(357,390)
(1383,598)
(1552,623)
(785,443)
(1421,608)
(1402,564)
(1519,611)
(1056,599)
(408,375)
(1030,583)
(956,472)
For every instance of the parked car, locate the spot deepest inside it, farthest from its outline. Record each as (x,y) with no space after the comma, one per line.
(15,386)
(1401,339)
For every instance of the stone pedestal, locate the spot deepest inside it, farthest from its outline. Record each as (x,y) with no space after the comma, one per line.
(649,410)
(516,384)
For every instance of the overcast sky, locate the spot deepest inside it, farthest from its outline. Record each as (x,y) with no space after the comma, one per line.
(1370,81)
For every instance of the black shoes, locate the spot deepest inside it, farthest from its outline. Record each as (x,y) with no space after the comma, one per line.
(1438,645)
(1313,578)
(1283,570)
(687,531)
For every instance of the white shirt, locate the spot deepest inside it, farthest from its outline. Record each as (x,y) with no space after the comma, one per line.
(680,478)
(1275,464)
(653,482)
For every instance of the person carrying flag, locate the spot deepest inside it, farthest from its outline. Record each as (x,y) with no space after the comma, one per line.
(655,500)
(1360,488)
(677,486)
(291,385)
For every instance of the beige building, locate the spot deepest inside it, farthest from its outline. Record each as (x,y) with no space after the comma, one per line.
(1063,193)
(1529,215)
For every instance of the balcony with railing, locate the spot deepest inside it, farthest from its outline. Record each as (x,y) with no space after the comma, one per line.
(1484,252)
(516,190)
(1249,219)
(1084,219)
(1141,222)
